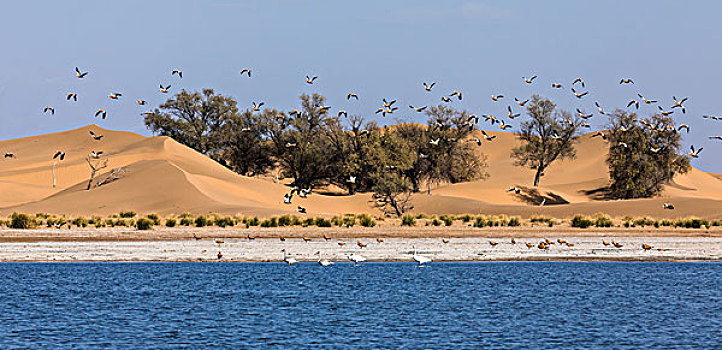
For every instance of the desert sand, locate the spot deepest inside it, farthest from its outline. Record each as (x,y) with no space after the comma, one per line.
(159,175)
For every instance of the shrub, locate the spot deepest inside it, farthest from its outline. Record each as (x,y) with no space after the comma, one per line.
(408,220)
(514,222)
(127,214)
(154,218)
(120,222)
(186,220)
(602,221)
(97,221)
(144,224)
(366,220)
(435,222)
(691,223)
(22,221)
(170,222)
(80,222)
(225,221)
(321,222)
(581,222)
(289,220)
(465,218)
(56,221)
(349,220)
(337,220)
(480,222)
(203,221)
(448,220)
(272,222)
(422,216)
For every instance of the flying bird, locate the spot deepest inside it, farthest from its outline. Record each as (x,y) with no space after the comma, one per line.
(663,112)
(445,99)
(584,116)
(95,154)
(601,110)
(141,102)
(114,95)
(80,74)
(352,95)
(715,138)
(301,210)
(521,103)
(418,109)
(101,112)
(429,87)
(667,206)
(626,81)
(177,71)
(9,155)
(511,114)
(579,95)
(59,155)
(683,126)
(48,108)
(257,106)
(633,102)
(600,134)
(529,80)
(557,86)
(694,153)
(72,95)
(246,71)
(95,136)
(164,89)
(456,93)
(309,80)
(487,137)
(647,101)
(343,113)
(496,97)
(679,104)
(514,189)
(579,81)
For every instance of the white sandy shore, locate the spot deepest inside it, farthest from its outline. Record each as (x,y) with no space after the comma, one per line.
(391,249)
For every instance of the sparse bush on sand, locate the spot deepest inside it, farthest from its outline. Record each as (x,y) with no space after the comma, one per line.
(366,220)
(581,221)
(601,220)
(225,221)
(170,222)
(203,221)
(408,220)
(22,221)
(144,224)
(127,214)
(155,218)
(322,222)
(80,222)
(513,222)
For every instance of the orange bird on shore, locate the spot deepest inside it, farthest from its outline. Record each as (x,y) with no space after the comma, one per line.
(493,244)
(362,245)
(646,246)
(380,240)
(341,244)
(528,245)
(605,242)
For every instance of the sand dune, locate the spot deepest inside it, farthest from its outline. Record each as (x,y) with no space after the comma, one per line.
(162,176)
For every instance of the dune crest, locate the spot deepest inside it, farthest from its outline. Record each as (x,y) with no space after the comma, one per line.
(159,175)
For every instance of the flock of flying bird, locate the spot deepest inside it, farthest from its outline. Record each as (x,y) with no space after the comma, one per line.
(578,89)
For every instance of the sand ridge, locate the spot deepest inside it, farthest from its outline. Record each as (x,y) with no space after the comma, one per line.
(159,175)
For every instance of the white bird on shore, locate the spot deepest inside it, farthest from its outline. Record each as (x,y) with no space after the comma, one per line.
(356,259)
(287,259)
(421,259)
(323,262)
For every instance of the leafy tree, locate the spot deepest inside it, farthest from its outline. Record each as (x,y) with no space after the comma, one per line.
(392,189)
(448,154)
(643,154)
(245,148)
(354,154)
(548,136)
(300,142)
(194,119)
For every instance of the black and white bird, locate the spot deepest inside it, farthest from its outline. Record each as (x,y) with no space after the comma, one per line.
(301,210)
(626,81)
(177,71)
(287,198)
(79,74)
(246,71)
(352,95)
(60,155)
(164,89)
(101,112)
(49,109)
(428,87)
(310,80)
(257,106)
(529,80)
(71,95)
(95,154)
(694,153)
(679,103)
(95,136)
(418,109)
(511,114)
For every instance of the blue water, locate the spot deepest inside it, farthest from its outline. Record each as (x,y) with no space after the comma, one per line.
(377,305)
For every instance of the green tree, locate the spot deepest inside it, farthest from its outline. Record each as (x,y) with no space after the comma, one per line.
(549,135)
(644,154)
(194,119)
(245,148)
(300,142)
(392,188)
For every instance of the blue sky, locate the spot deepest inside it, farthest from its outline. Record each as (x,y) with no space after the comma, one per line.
(374,48)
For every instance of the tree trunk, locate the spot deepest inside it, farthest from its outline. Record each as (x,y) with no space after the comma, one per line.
(92,176)
(537,176)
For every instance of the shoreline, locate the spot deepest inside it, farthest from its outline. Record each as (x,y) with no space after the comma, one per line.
(492,245)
